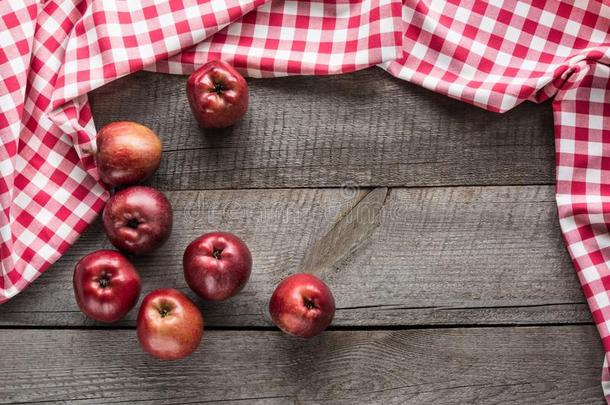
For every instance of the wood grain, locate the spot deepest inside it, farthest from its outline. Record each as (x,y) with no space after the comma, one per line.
(429,256)
(532,365)
(365,128)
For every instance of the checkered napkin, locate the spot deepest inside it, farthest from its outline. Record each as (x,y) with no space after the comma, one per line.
(494,54)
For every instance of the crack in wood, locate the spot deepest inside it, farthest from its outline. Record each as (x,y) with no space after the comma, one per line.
(398,307)
(350,230)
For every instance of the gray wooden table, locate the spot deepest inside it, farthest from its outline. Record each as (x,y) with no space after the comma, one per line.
(433,222)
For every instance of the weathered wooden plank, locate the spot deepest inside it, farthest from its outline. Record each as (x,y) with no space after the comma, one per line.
(365,128)
(532,365)
(443,256)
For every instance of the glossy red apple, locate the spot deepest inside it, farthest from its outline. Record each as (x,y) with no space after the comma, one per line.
(218,95)
(170,325)
(302,305)
(127,153)
(217,265)
(106,285)
(137,219)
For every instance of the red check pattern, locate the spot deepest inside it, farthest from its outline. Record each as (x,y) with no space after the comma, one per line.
(491,53)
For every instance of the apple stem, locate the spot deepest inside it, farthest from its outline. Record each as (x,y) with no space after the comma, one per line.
(104,281)
(309,304)
(216,253)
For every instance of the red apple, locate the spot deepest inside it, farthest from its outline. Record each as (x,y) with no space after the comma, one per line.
(217,265)
(218,95)
(127,153)
(302,305)
(170,325)
(137,219)
(106,285)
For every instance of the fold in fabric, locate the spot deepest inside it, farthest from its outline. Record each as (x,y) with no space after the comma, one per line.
(493,54)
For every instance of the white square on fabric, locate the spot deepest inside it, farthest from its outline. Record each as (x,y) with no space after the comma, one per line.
(508,102)
(340,35)
(419,51)
(538,44)
(46,252)
(593,176)
(595,148)
(218,6)
(455,89)
(547,19)
(572,28)
(487,25)
(289,8)
(70,67)
(590,274)
(336,59)
(578,249)
(22,200)
(146,51)
(30,272)
(6,166)
(77,174)
(260,31)
(596,121)
(314,36)
(287,33)
(61,195)
(114,30)
(119,55)
(26,237)
(563,51)
(362,57)
(443,62)
(430,82)
(282,54)
(43,215)
(567,119)
(597,36)
(601,299)
(437,6)
(522,9)
(5,232)
(40,180)
(512,34)
(389,53)
(309,58)
(467,72)
(255,52)
(50,25)
(603,240)
(598,95)
(96,62)
(63,230)
(597,218)
(81,209)
(232,29)
(139,27)
(17,65)
(317,9)
(6,101)
(529,65)
(567,224)
(565,173)
(343,10)
(481,96)
(462,14)
(364,31)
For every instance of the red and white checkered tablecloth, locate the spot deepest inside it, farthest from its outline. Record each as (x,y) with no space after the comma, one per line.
(493,53)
